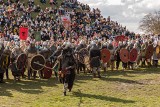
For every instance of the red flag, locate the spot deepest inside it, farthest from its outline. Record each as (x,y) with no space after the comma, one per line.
(23,33)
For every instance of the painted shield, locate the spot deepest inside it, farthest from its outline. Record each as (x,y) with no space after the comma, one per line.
(157,49)
(149,52)
(82,54)
(158,52)
(133,55)
(37,62)
(21,61)
(105,55)
(124,55)
(46,71)
(87,62)
(5,59)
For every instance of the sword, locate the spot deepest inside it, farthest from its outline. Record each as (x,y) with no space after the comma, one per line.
(42,65)
(45,66)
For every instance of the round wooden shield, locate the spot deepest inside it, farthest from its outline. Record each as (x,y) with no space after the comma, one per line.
(105,55)
(157,49)
(133,55)
(82,54)
(158,56)
(158,52)
(46,71)
(124,55)
(149,52)
(37,62)
(21,61)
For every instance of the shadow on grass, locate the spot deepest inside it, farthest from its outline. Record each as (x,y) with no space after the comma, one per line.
(121,80)
(84,77)
(101,97)
(5,93)
(26,86)
(105,78)
(143,71)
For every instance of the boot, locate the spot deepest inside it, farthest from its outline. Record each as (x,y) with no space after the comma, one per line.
(15,79)
(69,90)
(104,69)
(64,93)
(99,76)
(94,75)
(1,81)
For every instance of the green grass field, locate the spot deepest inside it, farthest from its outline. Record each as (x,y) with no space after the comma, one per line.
(138,88)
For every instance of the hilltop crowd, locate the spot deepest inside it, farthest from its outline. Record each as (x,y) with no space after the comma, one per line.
(46,23)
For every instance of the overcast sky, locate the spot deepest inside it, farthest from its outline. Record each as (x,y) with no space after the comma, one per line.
(126,12)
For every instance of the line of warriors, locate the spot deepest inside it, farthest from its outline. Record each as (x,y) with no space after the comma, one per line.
(66,59)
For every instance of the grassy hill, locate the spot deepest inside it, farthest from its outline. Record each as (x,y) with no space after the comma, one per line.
(138,88)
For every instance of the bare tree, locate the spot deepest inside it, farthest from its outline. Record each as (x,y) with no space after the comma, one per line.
(151,23)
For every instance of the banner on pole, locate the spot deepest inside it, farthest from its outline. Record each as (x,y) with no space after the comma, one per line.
(23,33)
(66,21)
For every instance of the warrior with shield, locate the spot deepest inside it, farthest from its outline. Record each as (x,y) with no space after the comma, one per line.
(95,55)
(143,53)
(81,52)
(7,53)
(117,56)
(46,52)
(125,55)
(2,69)
(112,57)
(155,54)
(54,59)
(67,67)
(149,53)
(31,51)
(129,48)
(16,51)
(104,56)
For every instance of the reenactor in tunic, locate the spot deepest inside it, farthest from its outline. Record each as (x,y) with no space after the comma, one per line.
(80,65)
(31,51)
(124,64)
(104,65)
(95,56)
(7,52)
(2,69)
(67,68)
(112,50)
(155,57)
(16,51)
(54,60)
(129,48)
(143,53)
(44,51)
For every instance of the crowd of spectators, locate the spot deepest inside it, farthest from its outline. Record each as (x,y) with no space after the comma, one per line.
(46,24)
